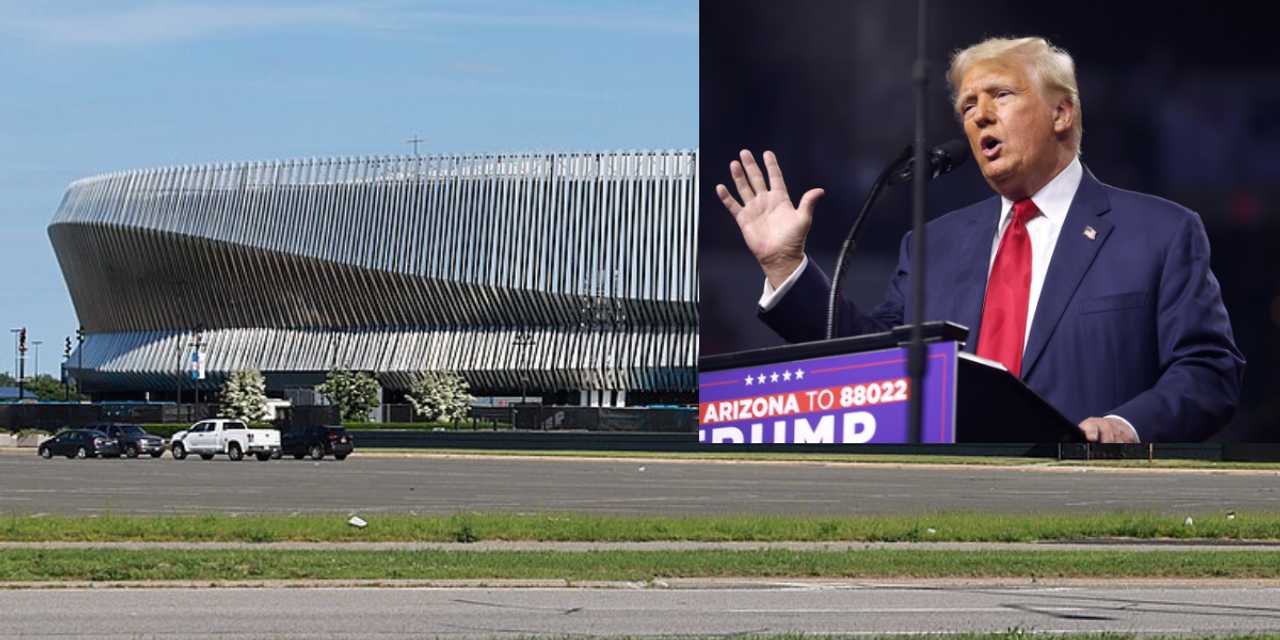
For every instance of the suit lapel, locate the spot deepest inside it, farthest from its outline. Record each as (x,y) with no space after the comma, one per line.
(971,277)
(1072,256)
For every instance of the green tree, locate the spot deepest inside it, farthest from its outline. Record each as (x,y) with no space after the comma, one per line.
(355,393)
(441,395)
(45,387)
(244,396)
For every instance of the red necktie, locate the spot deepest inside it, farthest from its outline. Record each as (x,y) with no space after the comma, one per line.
(1004,313)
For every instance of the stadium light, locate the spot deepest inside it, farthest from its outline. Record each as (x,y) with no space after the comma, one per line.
(414,141)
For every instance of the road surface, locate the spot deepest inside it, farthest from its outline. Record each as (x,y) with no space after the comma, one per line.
(853,608)
(443,485)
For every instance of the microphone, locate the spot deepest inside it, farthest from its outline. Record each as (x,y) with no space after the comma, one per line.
(943,158)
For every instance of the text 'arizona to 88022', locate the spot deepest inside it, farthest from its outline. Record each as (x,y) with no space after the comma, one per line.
(803,402)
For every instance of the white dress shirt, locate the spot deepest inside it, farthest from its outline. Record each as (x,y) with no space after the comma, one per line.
(1053,200)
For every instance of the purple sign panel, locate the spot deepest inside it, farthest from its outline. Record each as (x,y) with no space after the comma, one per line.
(845,399)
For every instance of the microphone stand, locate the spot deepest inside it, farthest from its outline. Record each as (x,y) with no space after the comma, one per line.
(850,240)
(916,361)
(942,159)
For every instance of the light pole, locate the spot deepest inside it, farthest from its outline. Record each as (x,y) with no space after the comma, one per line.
(22,362)
(79,357)
(15,333)
(523,339)
(66,356)
(37,344)
(182,371)
(197,373)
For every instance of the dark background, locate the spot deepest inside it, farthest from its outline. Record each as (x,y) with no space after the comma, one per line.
(1180,100)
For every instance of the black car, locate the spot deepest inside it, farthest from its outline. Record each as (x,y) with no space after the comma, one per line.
(317,442)
(133,439)
(79,443)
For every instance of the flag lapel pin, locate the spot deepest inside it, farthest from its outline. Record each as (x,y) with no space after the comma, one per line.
(1091,233)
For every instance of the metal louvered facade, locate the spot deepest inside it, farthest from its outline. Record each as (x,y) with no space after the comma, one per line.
(561,271)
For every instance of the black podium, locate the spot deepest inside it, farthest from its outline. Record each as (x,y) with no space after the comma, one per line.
(984,402)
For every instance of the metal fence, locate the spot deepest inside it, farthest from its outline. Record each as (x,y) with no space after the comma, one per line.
(538,417)
(553,418)
(530,417)
(54,416)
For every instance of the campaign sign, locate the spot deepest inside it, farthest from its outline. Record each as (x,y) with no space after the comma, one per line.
(852,398)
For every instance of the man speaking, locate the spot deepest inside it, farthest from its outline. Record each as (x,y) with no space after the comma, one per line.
(1100,299)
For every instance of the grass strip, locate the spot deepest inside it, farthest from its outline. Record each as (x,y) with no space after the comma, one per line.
(129,565)
(472,527)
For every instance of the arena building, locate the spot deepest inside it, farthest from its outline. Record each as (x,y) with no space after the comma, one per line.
(567,276)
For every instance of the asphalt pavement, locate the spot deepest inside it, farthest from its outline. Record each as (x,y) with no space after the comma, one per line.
(443,485)
(821,608)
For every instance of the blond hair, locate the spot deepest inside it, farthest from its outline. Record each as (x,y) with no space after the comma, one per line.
(1052,67)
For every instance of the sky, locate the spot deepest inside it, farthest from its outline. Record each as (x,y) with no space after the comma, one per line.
(88,87)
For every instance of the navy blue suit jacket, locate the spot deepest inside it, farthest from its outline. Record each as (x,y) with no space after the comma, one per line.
(1129,323)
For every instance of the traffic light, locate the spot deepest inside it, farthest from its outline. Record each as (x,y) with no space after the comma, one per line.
(66,351)
(80,334)
(22,340)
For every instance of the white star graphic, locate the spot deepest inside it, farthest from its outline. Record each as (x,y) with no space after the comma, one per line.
(749,378)
(799,374)
(786,375)
(773,377)
(760,378)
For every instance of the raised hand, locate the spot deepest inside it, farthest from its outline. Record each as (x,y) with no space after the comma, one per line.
(773,229)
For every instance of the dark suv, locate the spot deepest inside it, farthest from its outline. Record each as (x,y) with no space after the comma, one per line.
(134,439)
(317,442)
(79,443)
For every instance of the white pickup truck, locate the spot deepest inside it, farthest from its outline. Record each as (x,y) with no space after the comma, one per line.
(220,435)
